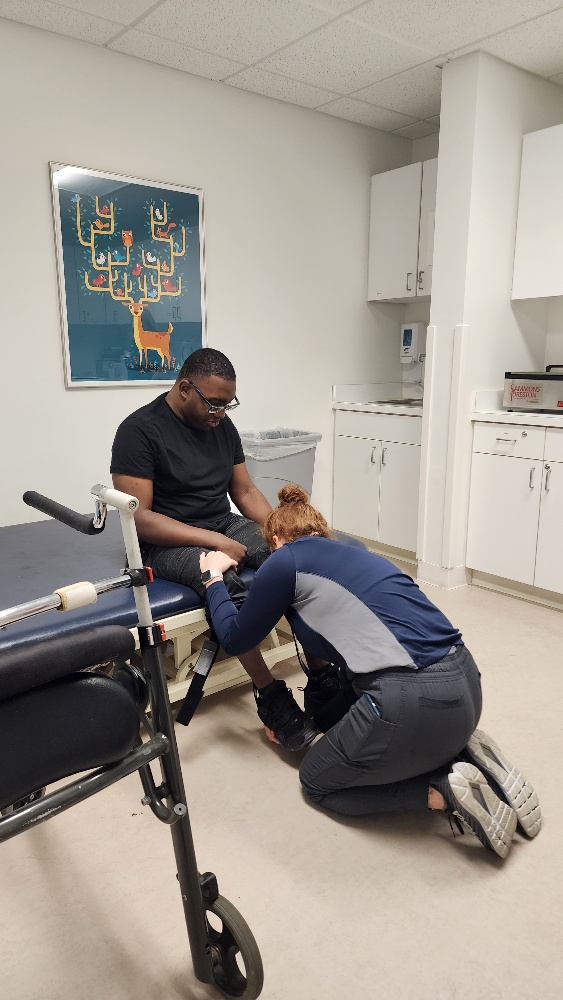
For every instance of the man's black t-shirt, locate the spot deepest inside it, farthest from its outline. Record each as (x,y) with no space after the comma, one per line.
(190,470)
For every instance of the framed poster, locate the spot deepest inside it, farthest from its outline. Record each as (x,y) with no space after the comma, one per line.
(131,276)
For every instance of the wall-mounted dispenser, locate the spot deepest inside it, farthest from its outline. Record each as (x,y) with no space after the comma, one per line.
(413,342)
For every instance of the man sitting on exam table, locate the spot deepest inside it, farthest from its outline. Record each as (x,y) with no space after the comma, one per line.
(182,457)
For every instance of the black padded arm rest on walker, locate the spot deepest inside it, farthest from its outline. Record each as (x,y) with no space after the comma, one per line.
(25,667)
(70,725)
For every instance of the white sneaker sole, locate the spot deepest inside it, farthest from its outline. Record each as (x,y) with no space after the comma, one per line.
(492,820)
(512,785)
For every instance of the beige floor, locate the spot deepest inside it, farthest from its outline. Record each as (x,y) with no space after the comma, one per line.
(391,908)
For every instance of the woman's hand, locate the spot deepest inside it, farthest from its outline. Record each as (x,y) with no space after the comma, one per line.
(216,560)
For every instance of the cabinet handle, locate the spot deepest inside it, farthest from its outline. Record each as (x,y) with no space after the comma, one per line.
(547,477)
(532,472)
(383,462)
(409,275)
(420,277)
(507,440)
(373,450)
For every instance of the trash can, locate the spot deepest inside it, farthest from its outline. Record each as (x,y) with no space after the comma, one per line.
(278,456)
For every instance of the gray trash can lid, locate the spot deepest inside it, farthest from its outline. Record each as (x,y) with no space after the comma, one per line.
(277,442)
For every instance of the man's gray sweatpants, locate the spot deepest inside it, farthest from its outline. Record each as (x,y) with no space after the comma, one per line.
(405,726)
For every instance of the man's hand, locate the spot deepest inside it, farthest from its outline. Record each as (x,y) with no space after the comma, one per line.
(271,735)
(234,550)
(216,560)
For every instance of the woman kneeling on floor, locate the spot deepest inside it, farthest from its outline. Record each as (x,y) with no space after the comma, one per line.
(394,665)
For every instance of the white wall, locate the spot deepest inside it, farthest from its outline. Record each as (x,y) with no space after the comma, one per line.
(554,341)
(487,106)
(286,200)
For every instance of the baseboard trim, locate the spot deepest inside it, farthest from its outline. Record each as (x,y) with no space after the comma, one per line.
(447,578)
(521,591)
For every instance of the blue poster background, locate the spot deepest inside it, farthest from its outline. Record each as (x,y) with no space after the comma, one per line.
(102,346)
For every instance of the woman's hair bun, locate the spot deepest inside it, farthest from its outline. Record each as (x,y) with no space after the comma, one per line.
(292,493)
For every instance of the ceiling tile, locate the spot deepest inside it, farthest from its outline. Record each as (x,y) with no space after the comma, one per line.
(416,131)
(270,85)
(122,12)
(439,26)
(536,46)
(344,56)
(416,92)
(245,31)
(365,114)
(61,20)
(558,79)
(158,50)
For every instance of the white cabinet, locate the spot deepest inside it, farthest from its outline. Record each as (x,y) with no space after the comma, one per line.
(538,255)
(356,486)
(515,503)
(398,495)
(376,478)
(503,516)
(401,242)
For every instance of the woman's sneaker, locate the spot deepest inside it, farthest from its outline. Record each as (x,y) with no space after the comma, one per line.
(327,697)
(508,782)
(323,685)
(469,798)
(279,711)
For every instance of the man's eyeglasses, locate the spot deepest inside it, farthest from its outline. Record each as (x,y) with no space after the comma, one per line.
(214,407)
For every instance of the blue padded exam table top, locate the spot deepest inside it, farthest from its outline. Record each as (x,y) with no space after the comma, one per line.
(37,558)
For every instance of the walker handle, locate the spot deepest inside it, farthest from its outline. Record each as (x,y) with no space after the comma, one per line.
(80,522)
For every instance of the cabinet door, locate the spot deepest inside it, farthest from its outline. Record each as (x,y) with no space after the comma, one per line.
(398,495)
(356,486)
(426,234)
(394,227)
(538,254)
(504,503)
(549,557)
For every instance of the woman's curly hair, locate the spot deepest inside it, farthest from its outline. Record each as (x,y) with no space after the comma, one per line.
(294,517)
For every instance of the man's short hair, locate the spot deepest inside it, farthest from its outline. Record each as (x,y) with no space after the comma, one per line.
(206,362)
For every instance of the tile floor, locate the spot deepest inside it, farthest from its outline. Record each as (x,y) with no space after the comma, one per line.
(391,908)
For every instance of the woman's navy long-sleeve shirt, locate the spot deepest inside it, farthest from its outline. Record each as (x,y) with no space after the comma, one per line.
(344,604)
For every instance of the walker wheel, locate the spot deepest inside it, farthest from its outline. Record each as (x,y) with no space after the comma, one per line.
(237,965)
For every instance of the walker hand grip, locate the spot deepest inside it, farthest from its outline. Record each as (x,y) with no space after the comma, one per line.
(80,522)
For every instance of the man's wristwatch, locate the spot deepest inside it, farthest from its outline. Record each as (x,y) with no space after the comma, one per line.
(210,574)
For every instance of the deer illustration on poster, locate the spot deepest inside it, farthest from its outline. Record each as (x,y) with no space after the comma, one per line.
(131,276)
(121,280)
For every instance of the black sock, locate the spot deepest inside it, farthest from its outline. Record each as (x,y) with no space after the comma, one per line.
(265,690)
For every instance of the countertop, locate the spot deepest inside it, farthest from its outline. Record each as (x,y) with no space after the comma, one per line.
(403,409)
(511,417)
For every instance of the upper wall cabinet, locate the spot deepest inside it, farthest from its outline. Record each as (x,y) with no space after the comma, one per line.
(401,240)
(538,256)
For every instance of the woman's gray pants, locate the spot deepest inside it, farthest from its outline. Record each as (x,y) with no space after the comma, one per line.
(405,726)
